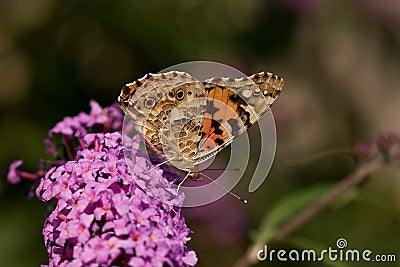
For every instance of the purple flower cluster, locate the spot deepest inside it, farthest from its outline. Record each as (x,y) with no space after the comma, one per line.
(102,120)
(101,216)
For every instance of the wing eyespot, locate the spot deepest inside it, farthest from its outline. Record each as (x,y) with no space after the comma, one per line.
(150,102)
(180,94)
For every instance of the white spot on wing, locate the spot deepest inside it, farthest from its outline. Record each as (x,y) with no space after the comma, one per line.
(246,93)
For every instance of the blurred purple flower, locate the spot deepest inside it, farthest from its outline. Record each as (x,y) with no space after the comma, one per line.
(15,176)
(12,176)
(386,142)
(190,258)
(363,150)
(388,146)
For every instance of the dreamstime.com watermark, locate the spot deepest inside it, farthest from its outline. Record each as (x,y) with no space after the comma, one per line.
(338,253)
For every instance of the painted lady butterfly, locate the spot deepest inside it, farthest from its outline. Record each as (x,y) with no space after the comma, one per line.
(186,121)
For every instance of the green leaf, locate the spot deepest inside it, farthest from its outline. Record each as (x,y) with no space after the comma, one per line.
(378,201)
(286,208)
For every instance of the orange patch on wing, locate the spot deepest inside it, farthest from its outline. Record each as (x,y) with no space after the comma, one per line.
(233,105)
(225,109)
(217,92)
(206,126)
(211,93)
(214,140)
(225,95)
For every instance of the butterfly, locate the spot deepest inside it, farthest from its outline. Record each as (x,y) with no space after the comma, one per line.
(186,121)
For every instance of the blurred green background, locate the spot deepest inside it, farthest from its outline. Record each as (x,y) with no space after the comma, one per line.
(340,61)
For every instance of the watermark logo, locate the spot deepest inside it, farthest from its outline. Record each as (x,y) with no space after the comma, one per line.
(341,243)
(339,253)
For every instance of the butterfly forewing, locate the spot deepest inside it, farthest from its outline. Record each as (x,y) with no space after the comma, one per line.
(233,105)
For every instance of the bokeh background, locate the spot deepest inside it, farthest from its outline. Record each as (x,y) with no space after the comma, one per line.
(341,65)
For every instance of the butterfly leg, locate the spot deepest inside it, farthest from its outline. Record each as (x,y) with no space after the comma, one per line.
(184,179)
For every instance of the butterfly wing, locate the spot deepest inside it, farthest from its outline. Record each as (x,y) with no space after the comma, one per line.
(167,110)
(233,105)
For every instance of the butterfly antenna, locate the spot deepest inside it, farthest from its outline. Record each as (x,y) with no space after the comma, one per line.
(221,186)
(184,179)
(217,169)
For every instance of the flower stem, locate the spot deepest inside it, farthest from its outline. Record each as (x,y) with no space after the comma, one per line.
(28,175)
(314,208)
(311,210)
